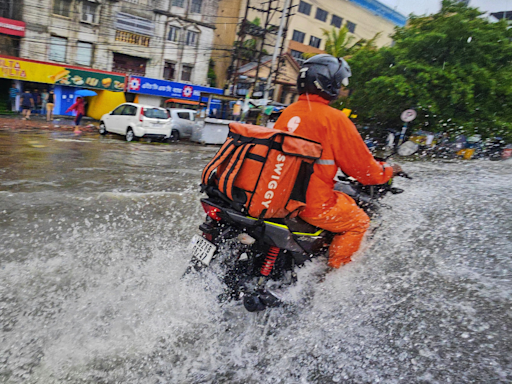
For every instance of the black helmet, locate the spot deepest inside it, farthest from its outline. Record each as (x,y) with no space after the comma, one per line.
(323,75)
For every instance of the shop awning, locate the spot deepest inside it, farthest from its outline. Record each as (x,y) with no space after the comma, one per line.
(181,101)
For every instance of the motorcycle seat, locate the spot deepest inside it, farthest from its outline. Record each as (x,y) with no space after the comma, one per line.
(298,225)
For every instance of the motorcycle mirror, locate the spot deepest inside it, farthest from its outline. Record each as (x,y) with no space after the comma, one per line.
(407,148)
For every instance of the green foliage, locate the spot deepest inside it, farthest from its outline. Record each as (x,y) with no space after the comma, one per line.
(211,73)
(339,43)
(453,67)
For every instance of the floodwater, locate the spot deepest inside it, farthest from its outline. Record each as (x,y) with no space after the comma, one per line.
(94,235)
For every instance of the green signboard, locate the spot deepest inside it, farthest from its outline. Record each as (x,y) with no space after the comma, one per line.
(89,79)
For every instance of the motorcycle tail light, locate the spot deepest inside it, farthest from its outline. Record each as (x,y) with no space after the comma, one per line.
(212,212)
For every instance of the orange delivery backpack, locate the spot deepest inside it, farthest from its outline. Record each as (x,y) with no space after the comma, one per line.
(261,171)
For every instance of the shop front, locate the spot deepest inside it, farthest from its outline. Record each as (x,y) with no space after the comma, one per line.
(168,94)
(39,77)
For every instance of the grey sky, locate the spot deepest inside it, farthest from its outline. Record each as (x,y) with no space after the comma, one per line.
(420,7)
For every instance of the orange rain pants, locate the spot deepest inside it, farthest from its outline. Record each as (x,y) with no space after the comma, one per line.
(349,221)
(342,147)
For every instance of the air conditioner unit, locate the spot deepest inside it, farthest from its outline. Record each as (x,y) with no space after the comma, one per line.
(88,17)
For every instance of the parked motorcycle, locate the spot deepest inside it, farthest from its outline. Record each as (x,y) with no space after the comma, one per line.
(255,259)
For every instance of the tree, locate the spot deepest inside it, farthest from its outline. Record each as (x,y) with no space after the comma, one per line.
(338,43)
(453,67)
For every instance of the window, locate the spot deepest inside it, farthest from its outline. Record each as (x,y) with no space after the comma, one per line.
(156,113)
(186,73)
(118,111)
(297,55)
(191,38)
(169,71)
(298,36)
(195,6)
(61,7)
(129,110)
(336,21)
(184,115)
(58,48)
(178,3)
(89,12)
(84,53)
(173,33)
(134,24)
(315,42)
(321,14)
(129,64)
(305,8)
(351,26)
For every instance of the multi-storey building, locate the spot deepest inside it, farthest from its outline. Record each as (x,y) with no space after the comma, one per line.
(160,40)
(169,39)
(307,22)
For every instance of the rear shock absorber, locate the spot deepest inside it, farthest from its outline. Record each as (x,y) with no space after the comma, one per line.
(270,260)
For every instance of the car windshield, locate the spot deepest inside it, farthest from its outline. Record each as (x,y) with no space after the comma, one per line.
(156,113)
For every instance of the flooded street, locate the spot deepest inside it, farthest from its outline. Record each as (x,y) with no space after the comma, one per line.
(94,241)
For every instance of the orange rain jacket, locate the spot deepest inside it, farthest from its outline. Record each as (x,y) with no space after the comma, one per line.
(311,117)
(343,148)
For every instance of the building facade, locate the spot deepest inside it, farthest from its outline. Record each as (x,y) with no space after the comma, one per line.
(12,28)
(308,19)
(164,39)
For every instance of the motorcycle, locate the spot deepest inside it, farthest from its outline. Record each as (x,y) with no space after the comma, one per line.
(256,259)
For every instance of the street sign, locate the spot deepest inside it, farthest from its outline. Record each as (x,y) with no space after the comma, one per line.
(408,115)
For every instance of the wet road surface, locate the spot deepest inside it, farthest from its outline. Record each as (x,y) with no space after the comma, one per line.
(94,241)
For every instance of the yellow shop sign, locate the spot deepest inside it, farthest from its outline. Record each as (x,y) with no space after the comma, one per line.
(26,70)
(18,69)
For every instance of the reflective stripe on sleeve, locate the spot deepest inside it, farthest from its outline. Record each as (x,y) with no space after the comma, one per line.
(325,162)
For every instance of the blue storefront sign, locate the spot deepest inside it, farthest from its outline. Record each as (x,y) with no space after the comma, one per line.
(170,89)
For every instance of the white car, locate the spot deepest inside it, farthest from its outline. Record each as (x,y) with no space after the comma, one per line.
(136,121)
(183,122)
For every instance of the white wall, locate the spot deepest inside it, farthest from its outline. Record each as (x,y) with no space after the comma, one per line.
(150,100)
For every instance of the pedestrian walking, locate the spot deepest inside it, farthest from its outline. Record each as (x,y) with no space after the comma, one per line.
(79,108)
(27,104)
(50,103)
(13,92)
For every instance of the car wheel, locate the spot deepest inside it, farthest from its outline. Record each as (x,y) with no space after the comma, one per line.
(175,135)
(103,129)
(130,136)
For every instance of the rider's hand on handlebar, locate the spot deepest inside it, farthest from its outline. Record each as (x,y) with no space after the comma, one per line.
(396,169)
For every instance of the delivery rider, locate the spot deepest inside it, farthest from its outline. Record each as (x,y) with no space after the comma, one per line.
(319,82)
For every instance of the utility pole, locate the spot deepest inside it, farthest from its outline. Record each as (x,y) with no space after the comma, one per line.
(260,53)
(236,55)
(276,50)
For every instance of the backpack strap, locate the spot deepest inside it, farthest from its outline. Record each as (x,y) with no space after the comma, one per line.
(233,169)
(224,152)
(226,179)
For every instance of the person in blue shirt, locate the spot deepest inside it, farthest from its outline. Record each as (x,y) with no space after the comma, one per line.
(13,92)
(27,103)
